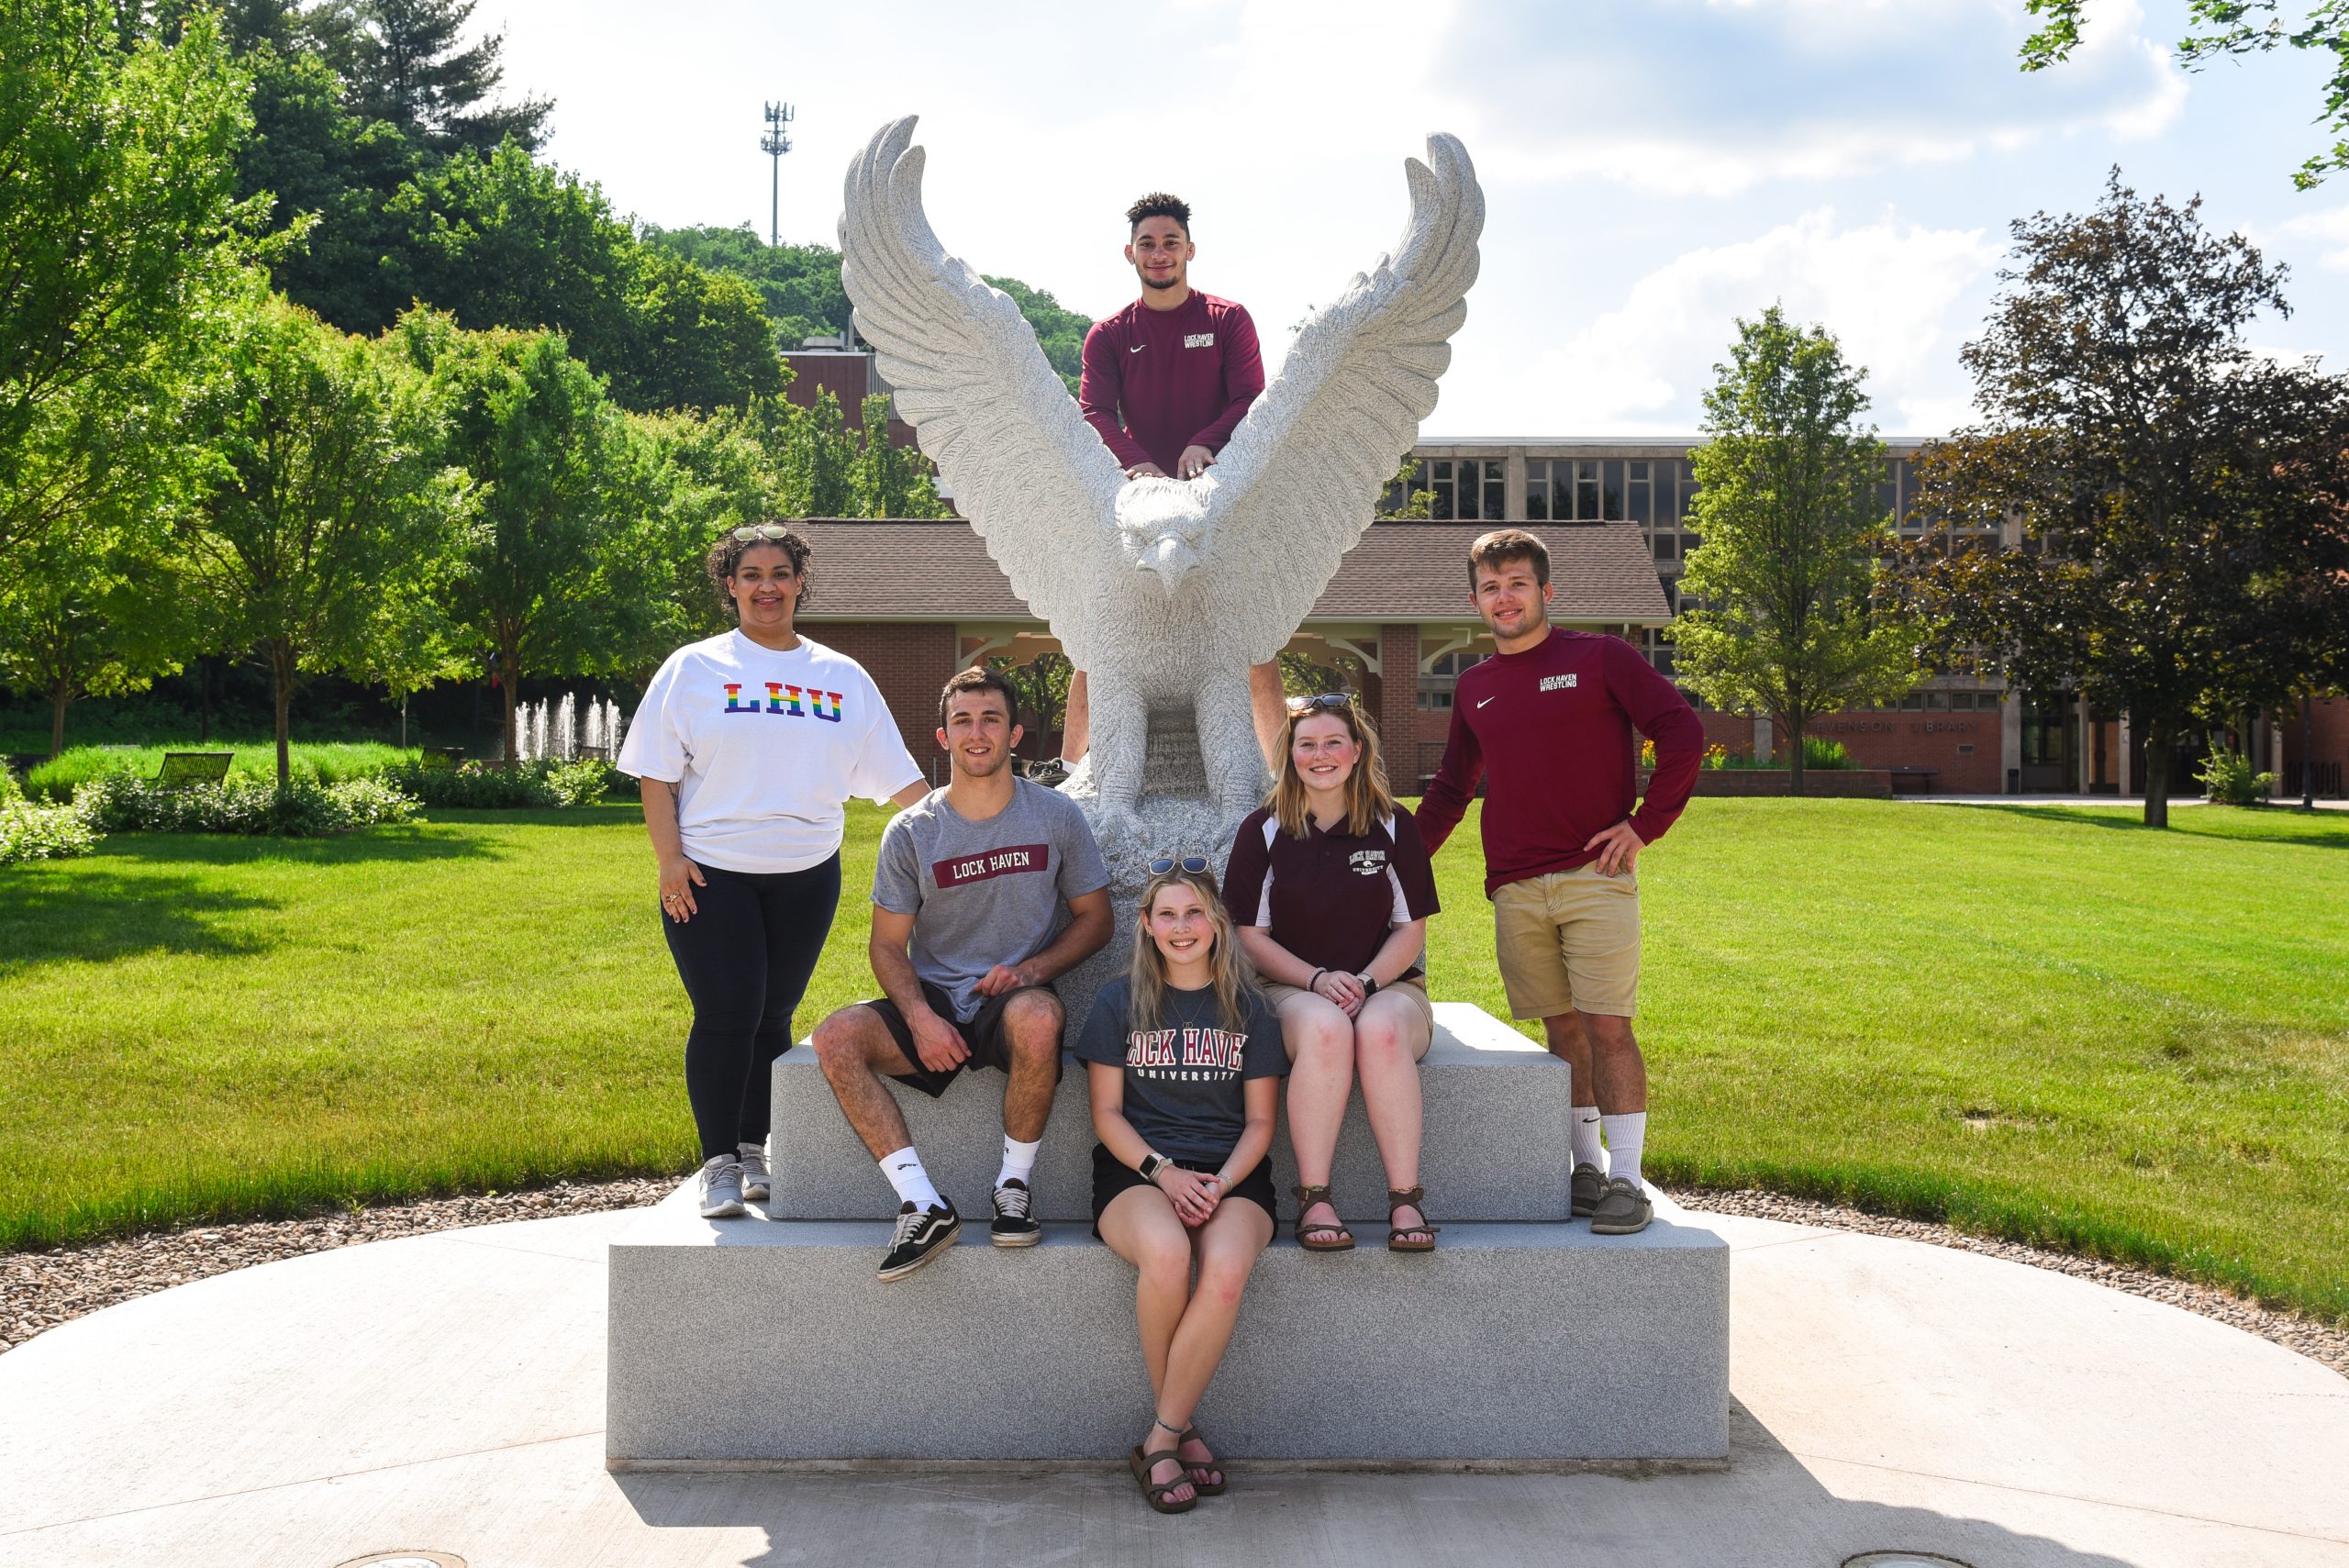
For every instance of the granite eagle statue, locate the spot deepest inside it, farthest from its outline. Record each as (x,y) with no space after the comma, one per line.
(1166,592)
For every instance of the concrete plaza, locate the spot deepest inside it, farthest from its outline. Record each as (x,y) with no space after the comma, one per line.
(445,1393)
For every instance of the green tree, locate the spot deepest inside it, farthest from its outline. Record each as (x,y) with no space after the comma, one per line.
(1403,501)
(799,285)
(124,252)
(81,620)
(1784,615)
(2227,30)
(407,68)
(1042,684)
(817,460)
(2177,495)
(887,480)
(556,578)
(503,240)
(702,476)
(325,501)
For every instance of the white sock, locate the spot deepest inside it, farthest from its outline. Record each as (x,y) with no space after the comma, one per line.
(905,1172)
(1019,1161)
(1624,1135)
(1586,1137)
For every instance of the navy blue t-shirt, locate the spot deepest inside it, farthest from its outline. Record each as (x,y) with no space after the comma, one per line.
(1183,1076)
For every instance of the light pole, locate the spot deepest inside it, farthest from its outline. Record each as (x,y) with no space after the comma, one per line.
(774,144)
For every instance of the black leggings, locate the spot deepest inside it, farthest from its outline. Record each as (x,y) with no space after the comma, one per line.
(745,958)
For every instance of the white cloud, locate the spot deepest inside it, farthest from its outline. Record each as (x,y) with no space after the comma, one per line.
(1886,290)
(2329,230)
(1715,100)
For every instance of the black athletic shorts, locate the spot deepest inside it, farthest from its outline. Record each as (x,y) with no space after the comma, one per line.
(983,1034)
(1112,1176)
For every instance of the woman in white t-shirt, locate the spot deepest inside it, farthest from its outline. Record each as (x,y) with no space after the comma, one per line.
(749,745)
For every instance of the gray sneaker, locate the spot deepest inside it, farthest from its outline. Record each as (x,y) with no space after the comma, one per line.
(755,1174)
(1586,1187)
(721,1187)
(1623,1209)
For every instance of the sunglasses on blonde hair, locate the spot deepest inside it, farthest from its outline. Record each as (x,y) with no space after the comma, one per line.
(1327,701)
(1196,865)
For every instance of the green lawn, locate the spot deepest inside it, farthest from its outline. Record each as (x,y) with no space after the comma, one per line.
(2045,1023)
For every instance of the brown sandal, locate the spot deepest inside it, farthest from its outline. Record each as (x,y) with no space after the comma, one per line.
(1316,1236)
(1154,1492)
(1413,1197)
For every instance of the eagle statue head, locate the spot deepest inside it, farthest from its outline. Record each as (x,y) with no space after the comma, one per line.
(1162,526)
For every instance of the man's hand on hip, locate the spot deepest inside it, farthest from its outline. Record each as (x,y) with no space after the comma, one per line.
(1619,847)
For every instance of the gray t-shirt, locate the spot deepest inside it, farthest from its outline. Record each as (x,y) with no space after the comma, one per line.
(985,893)
(1184,1075)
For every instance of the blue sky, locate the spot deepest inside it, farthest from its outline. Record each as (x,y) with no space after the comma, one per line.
(1651,170)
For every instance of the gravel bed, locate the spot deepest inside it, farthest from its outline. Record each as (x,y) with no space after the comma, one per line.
(2315,1340)
(40,1290)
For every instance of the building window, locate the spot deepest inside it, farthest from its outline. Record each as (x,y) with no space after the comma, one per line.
(1467,490)
(1667,548)
(1436,682)
(1576,490)
(1961,702)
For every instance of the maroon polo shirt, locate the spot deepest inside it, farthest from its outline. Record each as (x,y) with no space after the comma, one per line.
(1157,381)
(1554,732)
(1331,898)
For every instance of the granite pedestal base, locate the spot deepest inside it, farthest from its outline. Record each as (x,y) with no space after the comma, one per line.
(1495,1111)
(756,1342)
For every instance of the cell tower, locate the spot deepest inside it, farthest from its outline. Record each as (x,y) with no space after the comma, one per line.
(774,144)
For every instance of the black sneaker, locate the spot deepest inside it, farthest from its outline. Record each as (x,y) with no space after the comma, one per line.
(921,1235)
(1013,1225)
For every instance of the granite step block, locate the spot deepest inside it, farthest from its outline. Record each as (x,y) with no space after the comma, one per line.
(754,1342)
(1493,1147)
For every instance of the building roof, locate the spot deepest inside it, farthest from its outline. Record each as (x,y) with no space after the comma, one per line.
(1400,571)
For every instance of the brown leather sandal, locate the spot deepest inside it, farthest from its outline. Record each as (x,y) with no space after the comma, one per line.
(1154,1492)
(1413,1197)
(1320,1235)
(1198,1472)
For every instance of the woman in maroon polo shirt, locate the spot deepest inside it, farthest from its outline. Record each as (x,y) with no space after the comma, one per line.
(1333,889)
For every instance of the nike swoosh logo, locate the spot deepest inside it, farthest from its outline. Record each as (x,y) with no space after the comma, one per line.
(1487,700)
(1137,347)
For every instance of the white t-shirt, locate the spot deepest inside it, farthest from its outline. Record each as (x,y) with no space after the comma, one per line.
(766,748)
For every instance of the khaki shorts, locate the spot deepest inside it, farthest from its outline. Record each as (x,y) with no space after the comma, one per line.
(1569,941)
(1277,996)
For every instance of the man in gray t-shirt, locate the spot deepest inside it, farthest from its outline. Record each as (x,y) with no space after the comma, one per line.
(986,891)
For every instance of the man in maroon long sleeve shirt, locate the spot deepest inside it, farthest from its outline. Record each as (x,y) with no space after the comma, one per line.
(1551,723)
(1166,381)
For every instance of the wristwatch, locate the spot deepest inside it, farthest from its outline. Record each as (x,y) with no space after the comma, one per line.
(1369,988)
(1152,1163)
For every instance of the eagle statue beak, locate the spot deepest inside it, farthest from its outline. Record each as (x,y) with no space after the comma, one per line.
(1172,560)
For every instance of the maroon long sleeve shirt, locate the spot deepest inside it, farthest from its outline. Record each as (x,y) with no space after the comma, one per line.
(1555,732)
(1157,381)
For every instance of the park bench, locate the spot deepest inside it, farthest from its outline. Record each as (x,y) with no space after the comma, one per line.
(1522,1341)
(1914,778)
(182,769)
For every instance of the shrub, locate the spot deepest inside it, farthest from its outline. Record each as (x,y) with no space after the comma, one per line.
(29,832)
(543,785)
(327,762)
(1818,751)
(119,803)
(2227,778)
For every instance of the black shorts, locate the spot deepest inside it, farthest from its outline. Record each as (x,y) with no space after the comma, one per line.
(1112,1176)
(983,1034)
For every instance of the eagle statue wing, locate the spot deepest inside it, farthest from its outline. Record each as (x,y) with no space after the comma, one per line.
(967,373)
(1300,480)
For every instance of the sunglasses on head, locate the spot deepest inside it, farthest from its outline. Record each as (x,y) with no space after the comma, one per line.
(1327,701)
(774,531)
(1196,865)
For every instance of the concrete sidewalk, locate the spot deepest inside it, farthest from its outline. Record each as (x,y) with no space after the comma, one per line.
(445,1394)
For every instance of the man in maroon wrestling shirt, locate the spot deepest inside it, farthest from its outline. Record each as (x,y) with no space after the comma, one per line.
(1166,381)
(1548,722)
